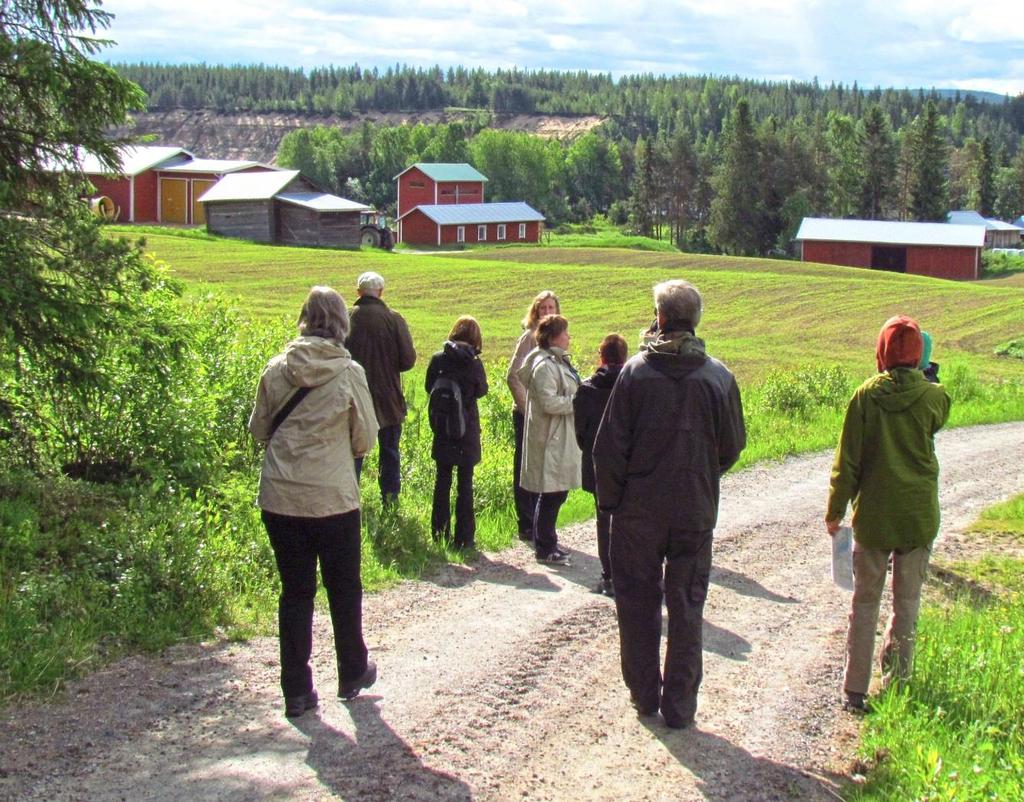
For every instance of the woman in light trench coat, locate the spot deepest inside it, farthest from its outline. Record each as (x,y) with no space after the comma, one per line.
(551,456)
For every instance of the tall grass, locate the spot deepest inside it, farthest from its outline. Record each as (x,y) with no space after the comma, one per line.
(955,731)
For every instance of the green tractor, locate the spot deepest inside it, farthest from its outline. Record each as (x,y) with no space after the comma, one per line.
(374,231)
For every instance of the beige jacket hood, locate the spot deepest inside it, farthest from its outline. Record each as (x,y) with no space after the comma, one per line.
(308,469)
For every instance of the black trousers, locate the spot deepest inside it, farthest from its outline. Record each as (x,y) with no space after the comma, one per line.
(389,462)
(604,539)
(298,544)
(545,538)
(526,502)
(646,556)
(441,514)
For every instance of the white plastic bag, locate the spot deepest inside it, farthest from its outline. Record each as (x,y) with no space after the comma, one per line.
(842,558)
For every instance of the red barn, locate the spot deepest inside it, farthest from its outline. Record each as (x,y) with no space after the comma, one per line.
(437,184)
(159,184)
(940,250)
(471,223)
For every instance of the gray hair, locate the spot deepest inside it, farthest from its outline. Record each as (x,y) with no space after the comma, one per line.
(370,282)
(679,302)
(324,315)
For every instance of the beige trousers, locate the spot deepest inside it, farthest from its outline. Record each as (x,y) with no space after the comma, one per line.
(869,570)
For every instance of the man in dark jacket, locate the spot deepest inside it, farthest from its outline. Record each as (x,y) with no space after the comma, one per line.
(588,407)
(673,426)
(379,340)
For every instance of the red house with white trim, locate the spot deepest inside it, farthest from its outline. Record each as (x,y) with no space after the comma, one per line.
(443,204)
(161,184)
(940,250)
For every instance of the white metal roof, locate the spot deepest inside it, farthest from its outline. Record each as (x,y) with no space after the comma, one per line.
(249,186)
(135,159)
(477,213)
(965,218)
(217,166)
(891,233)
(323,202)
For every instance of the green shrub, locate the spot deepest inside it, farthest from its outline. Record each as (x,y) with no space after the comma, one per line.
(1012,348)
(796,393)
(996,265)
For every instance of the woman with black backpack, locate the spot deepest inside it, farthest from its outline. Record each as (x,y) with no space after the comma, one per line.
(455,380)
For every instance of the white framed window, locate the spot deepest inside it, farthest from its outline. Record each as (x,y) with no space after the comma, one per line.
(522,231)
(460,234)
(481,233)
(501,231)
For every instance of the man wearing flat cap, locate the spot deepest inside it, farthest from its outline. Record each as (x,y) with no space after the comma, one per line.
(886,467)
(379,340)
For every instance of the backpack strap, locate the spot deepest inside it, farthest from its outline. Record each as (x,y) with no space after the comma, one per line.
(286,410)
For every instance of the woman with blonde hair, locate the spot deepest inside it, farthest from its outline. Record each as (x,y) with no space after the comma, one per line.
(456,444)
(546,303)
(551,457)
(314,414)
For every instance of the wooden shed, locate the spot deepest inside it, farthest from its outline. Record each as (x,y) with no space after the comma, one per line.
(924,249)
(997,233)
(283,207)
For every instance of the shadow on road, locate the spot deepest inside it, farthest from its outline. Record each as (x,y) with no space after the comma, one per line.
(728,644)
(482,568)
(376,764)
(725,772)
(743,584)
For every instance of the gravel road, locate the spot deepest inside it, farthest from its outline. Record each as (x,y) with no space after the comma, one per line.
(499,680)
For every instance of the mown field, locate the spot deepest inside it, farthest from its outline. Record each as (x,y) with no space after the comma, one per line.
(760,314)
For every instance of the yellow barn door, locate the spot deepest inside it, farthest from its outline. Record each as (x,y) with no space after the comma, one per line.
(198,210)
(173,200)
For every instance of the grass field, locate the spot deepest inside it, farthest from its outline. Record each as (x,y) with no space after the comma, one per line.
(760,314)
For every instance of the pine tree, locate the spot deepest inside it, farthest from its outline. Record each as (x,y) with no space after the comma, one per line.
(879,161)
(929,200)
(736,211)
(986,179)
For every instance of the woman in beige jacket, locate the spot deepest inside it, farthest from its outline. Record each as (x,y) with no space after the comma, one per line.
(546,303)
(551,456)
(314,413)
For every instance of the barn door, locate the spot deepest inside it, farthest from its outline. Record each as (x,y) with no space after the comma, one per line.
(173,200)
(198,210)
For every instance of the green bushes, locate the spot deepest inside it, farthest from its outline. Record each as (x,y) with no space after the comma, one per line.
(89,572)
(800,392)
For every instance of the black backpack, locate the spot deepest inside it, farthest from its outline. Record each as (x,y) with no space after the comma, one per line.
(445,412)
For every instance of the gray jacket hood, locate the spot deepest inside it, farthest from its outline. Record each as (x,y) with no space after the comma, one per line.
(675,355)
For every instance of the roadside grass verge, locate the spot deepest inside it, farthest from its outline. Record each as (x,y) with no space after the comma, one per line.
(955,731)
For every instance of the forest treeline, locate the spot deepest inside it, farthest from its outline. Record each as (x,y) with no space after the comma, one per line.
(720,164)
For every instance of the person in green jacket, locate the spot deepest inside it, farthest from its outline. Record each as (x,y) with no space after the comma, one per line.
(886,466)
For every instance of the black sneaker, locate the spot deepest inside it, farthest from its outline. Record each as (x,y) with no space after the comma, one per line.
(604,587)
(295,706)
(526,537)
(350,690)
(555,557)
(856,703)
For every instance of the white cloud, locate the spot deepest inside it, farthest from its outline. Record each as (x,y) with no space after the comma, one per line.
(880,42)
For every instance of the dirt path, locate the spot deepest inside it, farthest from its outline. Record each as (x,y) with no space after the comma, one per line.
(500,680)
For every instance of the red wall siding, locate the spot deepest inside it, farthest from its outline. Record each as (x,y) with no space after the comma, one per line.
(957,263)
(146,203)
(117,189)
(460,192)
(922,260)
(852,254)
(419,229)
(409,197)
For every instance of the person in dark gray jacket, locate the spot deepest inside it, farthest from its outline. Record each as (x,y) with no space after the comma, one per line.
(380,341)
(673,426)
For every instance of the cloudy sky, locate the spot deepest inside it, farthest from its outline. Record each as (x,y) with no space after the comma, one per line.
(902,43)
